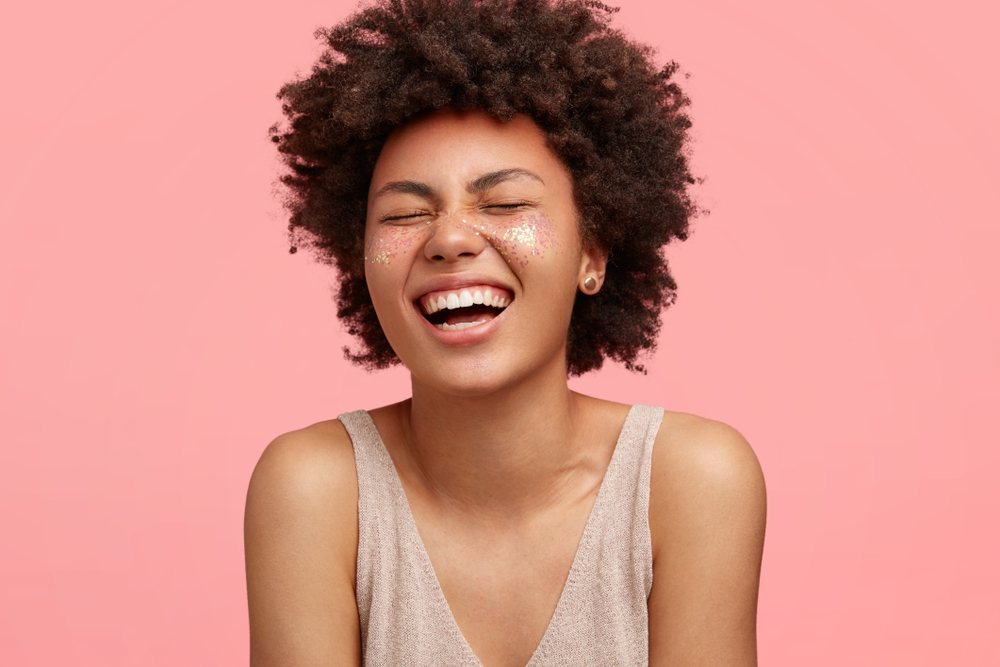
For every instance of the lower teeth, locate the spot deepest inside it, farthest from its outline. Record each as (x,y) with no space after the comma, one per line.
(458,327)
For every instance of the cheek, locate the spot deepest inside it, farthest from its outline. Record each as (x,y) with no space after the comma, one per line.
(520,238)
(389,243)
(386,253)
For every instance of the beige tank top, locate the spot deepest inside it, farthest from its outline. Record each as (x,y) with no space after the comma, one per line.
(600,618)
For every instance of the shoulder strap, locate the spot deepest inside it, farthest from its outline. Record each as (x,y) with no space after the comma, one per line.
(601,617)
(376,511)
(403,614)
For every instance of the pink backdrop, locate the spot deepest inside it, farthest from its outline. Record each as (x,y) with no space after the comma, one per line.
(838,306)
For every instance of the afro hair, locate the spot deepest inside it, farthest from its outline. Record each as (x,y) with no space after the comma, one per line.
(614,118)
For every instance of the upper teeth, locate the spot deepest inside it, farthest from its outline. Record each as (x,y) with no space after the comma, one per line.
(464,299)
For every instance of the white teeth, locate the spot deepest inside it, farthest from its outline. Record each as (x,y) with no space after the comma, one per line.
(464,299)
(459,326)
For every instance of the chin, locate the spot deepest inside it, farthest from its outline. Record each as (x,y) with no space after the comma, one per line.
(476,378)
(462,380)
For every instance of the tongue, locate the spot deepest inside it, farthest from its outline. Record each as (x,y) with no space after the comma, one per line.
(470,314)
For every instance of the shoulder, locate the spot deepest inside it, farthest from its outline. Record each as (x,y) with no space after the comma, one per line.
(304,486)
(298,466)
(304,480)
(301,541)
(707,510)
(703,467)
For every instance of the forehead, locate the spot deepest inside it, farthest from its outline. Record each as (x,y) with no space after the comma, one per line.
(463,145)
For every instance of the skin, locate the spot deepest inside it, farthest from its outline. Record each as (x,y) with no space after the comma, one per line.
(497,456)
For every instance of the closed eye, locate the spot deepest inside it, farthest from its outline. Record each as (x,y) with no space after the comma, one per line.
(407,216)
(508,207)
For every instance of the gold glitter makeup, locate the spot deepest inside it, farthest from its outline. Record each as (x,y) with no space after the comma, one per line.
(519,238)
(388,242)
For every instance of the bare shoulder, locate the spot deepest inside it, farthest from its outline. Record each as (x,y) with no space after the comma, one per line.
(707,512)
(315,463)
(697,460)
(301,537)
(306,477)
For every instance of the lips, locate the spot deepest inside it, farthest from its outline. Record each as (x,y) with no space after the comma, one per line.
(464,307)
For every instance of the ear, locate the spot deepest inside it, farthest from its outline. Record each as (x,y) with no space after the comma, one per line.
(593,264)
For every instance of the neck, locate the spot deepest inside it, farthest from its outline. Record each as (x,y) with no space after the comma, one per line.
(505,453)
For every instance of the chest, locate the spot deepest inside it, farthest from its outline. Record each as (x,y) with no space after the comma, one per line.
(569,587)
(503,583)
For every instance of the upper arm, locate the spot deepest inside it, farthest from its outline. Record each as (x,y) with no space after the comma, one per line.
(707,514)
(301,538)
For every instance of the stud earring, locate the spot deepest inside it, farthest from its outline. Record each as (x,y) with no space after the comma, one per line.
(590,284)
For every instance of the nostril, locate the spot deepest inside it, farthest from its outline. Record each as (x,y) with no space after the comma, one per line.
(450,242)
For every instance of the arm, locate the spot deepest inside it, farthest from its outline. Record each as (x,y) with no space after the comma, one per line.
(707,511)
(301,540)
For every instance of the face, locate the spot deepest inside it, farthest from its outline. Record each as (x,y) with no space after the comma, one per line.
(473,251)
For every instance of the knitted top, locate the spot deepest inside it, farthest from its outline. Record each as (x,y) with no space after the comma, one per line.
(600,618)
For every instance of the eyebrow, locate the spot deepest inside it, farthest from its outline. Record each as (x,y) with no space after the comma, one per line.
(476,186)
(494,178)
(407,188)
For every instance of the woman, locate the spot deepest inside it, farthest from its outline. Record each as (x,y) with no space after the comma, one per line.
(494,181)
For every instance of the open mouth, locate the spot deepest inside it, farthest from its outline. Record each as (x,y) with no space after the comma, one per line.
(453,310)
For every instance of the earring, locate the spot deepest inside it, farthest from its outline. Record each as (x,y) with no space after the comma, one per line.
(590,284)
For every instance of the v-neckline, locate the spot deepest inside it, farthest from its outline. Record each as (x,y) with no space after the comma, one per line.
(411,525)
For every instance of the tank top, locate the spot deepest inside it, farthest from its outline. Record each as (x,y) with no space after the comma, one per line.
(601,616)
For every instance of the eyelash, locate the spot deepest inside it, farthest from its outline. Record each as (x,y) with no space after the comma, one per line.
(392,218)
(510,206)
(507,207)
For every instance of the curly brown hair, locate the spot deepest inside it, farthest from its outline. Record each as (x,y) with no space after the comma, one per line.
(615,119)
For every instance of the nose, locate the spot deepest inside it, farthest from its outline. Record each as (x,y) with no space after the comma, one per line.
(453,238)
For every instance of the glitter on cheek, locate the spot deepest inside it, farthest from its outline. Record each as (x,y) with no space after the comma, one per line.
(389,241)
(518,239)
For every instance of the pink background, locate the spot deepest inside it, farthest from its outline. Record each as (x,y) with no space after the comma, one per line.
(838,306)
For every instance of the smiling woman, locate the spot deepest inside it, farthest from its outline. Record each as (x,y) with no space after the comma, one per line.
(467,203)
(495,181)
